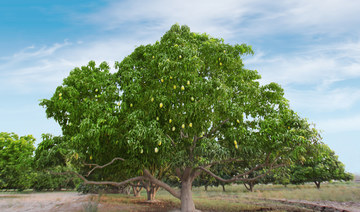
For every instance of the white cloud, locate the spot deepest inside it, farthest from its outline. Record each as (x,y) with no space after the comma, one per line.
(213,17)
(316,66)
(316,79)
(231,18)
(42,68)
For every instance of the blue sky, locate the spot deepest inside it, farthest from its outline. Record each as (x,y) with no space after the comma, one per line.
(311,48)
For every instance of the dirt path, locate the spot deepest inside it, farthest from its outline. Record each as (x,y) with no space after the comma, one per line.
(323,205)
(51,201)
(72,201)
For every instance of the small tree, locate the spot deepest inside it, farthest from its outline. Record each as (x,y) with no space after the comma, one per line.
(15,161)
(181,106)
(51,156)
(320,165)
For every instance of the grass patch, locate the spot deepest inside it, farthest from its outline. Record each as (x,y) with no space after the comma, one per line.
(237,198)
(339,192)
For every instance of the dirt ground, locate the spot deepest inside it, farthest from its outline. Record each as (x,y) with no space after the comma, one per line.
(321,205)
(51,201)
(72,201)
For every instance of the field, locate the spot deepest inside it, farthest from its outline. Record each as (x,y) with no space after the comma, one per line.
(331,196)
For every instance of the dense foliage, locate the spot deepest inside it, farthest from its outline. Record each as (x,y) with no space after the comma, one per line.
(15,161)
(321,165)
(179,107)
(52,156)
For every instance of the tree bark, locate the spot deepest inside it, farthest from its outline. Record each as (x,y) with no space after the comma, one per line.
(151,191)
(206,188)
(251,186)
(159,183)
(223,187)
(137,189)
(317,183)
(187,202)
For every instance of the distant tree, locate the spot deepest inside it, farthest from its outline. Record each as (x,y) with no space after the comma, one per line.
(320,165)
(225,171)
(281,176)
(203,180)
(15,161)
(51,156)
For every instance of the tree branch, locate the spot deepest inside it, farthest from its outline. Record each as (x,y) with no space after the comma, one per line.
(103,166)
(90,164)
(161,184)
(213,130)
(182,135)
(195,139)
(248,188)
(223,161)
(172,141)
(178,172)
(236,178)
(86,181)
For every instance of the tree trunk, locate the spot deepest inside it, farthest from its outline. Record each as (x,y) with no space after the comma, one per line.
(223,186)
(127,190)
(317,183)
(152,192)
(251,186)
(206,188)
(149,196)
(187,202)
(136,190)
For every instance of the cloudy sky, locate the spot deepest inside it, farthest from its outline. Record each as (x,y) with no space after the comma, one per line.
(311,48)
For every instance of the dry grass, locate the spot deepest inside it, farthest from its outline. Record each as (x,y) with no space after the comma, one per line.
(339,192)
(237,198)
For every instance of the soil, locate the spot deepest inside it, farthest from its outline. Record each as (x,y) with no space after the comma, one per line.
(323,205)
(51,201)
(72,201)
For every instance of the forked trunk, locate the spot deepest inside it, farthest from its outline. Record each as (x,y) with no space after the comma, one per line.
(187,202)
(151,192)
(137,189)
(317,183)
(249,186)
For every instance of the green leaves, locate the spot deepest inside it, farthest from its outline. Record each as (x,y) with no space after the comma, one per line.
(319,164)
(188,97)
(15,160)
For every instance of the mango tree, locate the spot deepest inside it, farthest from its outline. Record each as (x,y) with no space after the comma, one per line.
(320,165)
(15,161)
(187,103)
(51,156)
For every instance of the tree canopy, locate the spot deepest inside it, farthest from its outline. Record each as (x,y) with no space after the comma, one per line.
(320,165)
(180,105)
(15,161)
